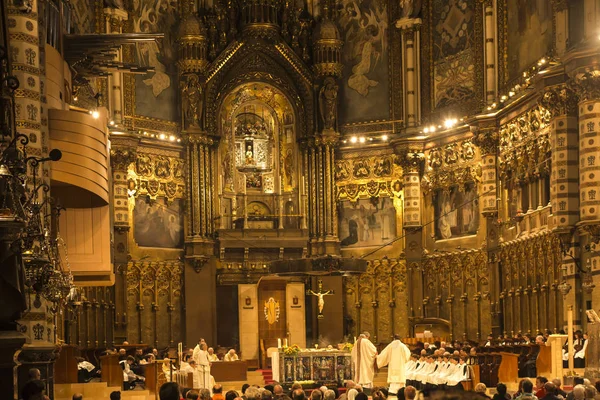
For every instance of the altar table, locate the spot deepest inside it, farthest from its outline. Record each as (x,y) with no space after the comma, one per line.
(319,365)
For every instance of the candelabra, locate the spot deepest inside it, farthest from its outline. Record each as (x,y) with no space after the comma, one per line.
(26,213)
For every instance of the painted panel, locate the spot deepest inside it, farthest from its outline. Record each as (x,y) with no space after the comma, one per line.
(530,34)
(453,36)
(367,222)
(365,87)
(456,212)
(156,92)
(157,223)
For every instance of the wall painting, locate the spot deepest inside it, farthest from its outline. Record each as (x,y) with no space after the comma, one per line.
(365,89)
(367,222)
(155,92)
(157,223)
(531,34)
(456,212)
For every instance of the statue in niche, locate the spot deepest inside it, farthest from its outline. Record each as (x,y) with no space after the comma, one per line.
(328,103)
(227,168)
(289,167)
(249,155)
(192,101)
(410,8)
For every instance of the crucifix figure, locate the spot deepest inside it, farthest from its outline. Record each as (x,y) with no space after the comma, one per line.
(320,294)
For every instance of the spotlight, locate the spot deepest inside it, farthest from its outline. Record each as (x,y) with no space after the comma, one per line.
(432,128)
(384,137)
(162,136)
(178,140)
(511,93)
(353,139)
(426,130)
(362,139)
(112,123)
(450,123)
(172,138)
(96,114)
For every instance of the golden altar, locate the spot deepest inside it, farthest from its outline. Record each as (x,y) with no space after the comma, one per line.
(318,365)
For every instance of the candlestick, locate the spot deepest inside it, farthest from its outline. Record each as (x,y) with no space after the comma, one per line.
(278,343)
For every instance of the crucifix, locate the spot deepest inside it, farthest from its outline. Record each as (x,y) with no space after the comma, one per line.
(320,294)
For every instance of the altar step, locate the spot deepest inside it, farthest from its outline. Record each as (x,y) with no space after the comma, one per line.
(253,378)
(97,391)
(267,375)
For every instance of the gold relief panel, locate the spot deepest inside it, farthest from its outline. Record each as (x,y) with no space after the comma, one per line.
(454,164)
(159,174)
(525,145)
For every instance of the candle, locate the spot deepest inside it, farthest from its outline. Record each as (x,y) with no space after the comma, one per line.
(354,339)
(278,343)
(286,343)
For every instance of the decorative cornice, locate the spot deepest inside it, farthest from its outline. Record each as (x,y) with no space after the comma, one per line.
(559,100)
(486,139)
(587,84)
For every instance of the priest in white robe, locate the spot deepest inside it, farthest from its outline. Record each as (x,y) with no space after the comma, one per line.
(200,355)
(396,355)
(364,354)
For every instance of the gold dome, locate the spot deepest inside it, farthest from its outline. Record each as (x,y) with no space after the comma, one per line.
(191,26)
(326,30)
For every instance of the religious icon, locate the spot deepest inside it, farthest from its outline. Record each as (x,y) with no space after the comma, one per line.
(295,300)
(248,301)
(272,311)
(320,294)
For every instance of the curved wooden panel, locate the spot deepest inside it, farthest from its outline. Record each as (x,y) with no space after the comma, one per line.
(83,141)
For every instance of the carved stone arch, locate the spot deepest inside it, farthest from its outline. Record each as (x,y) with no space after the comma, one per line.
(268,64)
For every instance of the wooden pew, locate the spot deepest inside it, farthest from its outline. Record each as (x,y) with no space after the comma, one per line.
(543,364)
(65,369)
(151,375)
(509,368)
(112,373)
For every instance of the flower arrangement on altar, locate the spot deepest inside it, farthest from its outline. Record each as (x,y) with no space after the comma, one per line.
(305,383)
(347,347)
(292,350)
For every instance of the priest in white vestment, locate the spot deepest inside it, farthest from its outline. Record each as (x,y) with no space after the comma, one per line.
(364,354)
(396,355)
(200,355)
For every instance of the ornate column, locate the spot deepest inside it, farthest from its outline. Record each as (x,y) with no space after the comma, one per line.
(411,56)
(122,154)
(561,33)
(410,157)
(200,266)
(486,138)
(115,19)
(564,180)
(586,84)
(491,51)
(322,210)
(323,224)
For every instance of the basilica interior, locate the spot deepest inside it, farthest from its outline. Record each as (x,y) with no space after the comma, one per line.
(246,171)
